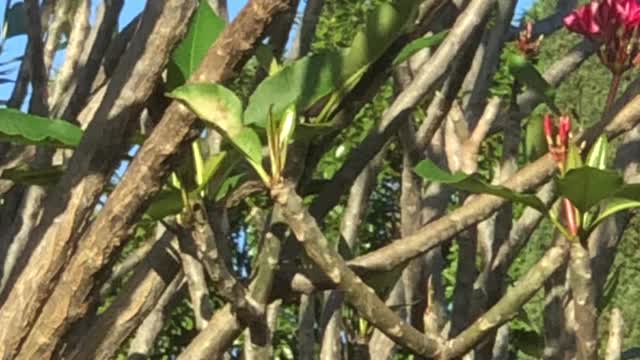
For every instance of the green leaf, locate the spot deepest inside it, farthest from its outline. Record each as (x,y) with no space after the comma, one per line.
(535,143)
(306,81)
(166,203)
(15,21)
(574,157)
(28,176)
(422,43)
(204,28)
(614,206)
(528,75)
(227,185)
(302,83)
(629,191)
(211,167)
(22,128)
(248,142)
(474,184)
(306,132)
(597,157)
(586,186)
(213,103)
(383,25)
(266,59)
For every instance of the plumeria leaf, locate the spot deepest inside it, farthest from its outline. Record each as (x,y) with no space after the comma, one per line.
(15,21)
(227,185)
(574,157)
(597,157)
(29,176)
(383,25)
(248,142)
(535,143)
(302,82)
(166,203)
(312,78)
(629,191)
(222,109)
(18,127)
(587,186)
(422,43)
(204,28)
(614,206)
(210,167)
(527,74)
(214,104)
(473,183)
(266,59)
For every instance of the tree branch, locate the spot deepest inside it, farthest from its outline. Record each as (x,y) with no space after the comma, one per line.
(507,308)
(356,292)
(73,199)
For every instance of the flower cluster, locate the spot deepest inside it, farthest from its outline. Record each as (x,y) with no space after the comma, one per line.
(613,23)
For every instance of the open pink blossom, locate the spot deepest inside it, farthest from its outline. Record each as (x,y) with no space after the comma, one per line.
(614,23)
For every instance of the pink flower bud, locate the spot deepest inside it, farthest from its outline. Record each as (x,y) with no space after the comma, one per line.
(565,129)
(548,128)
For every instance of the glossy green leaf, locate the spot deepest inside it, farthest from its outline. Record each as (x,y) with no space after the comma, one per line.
(473,183)
(213,103)
(303,83)
(422,43)
(28,176)
(597,157)
(18,127)
(528,75)
(204,28)
(586,186)
(306,81)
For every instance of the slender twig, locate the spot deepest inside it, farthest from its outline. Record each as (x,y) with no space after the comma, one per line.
(508,307)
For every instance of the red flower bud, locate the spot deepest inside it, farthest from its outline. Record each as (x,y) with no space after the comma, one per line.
(565,129)
(548,129)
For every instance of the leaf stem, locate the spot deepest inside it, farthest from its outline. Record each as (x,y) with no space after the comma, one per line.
(613,91)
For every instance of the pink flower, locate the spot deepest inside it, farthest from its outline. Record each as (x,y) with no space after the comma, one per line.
(614,23)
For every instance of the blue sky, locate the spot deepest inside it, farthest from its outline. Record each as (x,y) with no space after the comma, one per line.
(14,47)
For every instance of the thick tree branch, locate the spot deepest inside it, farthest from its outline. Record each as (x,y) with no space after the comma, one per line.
(139,296)
(73,199)
(144,176)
